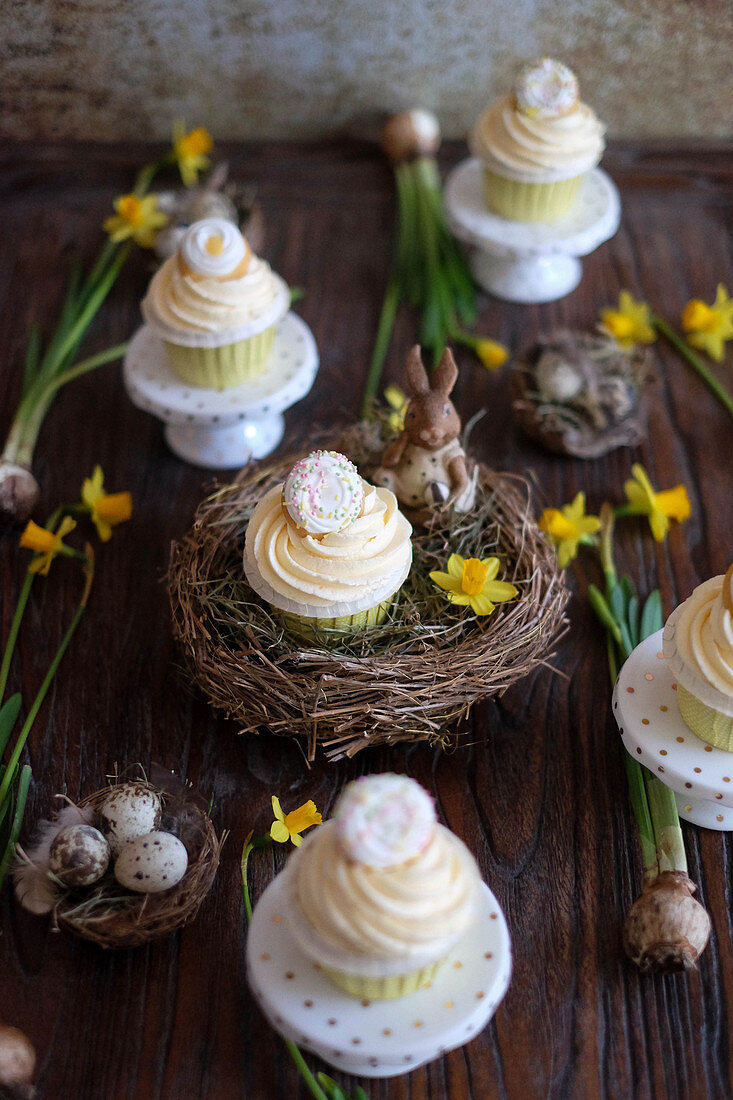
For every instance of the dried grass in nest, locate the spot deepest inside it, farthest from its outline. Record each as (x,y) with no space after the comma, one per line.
(409,679)
(111,916)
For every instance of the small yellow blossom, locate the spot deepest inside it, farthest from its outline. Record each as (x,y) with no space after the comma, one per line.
(568,526)
(398,402)
(136,218)
(631,323)
(710,326)
(190,151)
(491,353)
(660,506)
(106,509)
(290,826)
(471,581)
(47,544)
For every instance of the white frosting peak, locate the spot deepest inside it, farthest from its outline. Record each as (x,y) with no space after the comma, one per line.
(382,820)
(213,246)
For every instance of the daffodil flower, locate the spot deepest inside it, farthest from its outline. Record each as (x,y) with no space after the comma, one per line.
(708,327)
(470,581)
(190,151)
(397,401)
(136,218)
(491,353)
(631,323)
(568,527)
(47,544)
(289,826)
(660,506)
(106,509)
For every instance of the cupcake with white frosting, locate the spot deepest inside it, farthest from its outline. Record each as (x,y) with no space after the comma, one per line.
(536,144)
(215,306)
(698,647)
(327,550)
(381,893)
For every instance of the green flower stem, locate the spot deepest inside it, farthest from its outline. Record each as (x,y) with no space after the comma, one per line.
(668,842)
(38,701)
(640,805)
(695,362)
(21,796)
(379,354)
(13,635)
(146,174)
(313,1087)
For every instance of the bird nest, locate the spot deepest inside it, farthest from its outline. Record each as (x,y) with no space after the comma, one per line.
(411,678)
(111,916)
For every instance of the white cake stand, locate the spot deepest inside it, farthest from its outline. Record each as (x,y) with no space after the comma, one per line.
(377,1038)
(653,731)
(223,428)
(530,261)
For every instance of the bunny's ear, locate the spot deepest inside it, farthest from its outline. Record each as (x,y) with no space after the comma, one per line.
(445,376)
(416,374)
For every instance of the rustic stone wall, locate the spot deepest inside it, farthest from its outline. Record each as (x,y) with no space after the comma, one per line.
(107,69)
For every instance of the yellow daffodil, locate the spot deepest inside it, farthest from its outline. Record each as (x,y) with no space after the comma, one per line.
(136,218)
(470,581)
(491,353)
(106,509)
(47,544)
(660,507)
(290,826)
(631,323)
(397,401)
(568,527)
(190,151)
(708,327)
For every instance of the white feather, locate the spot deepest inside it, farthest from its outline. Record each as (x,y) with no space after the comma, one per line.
(35,891)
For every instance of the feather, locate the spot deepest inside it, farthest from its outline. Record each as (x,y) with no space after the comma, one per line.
(35,891)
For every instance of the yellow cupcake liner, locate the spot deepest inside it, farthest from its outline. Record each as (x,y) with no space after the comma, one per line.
(221,367)
(709,724)
(529,202)
(328,630)
(383,989)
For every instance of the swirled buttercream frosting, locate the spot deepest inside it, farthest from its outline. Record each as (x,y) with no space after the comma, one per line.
(323,492)
(532,148)
(214,290)
(352,916)
(384,819)
(701,634)
(337,573)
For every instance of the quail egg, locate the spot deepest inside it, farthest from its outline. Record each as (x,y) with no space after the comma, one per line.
(79,855)
(128,811)
(151,863)
(557,380)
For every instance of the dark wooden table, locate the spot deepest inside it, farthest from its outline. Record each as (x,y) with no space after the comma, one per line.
(536,787)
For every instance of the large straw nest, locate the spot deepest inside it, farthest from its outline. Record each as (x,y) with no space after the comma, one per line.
(411,678)
(111,916)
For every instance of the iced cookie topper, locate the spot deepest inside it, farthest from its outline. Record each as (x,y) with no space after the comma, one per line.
(546,89)
(214,247)
(383,820)
(323,493)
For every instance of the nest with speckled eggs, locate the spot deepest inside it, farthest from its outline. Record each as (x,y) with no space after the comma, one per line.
(113,917)
(412,678)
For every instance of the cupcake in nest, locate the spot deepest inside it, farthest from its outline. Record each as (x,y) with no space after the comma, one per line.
(698,647)
(380,895)
(327,550)
(536,144)
(215,306)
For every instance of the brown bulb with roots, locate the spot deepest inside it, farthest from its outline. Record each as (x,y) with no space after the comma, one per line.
(17,1064)
(667,929)
(19,492)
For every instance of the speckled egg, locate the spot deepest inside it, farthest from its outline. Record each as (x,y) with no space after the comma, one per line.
(130,810)
(151,863)
(79,855)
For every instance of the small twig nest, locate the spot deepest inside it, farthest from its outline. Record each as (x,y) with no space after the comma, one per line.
(111,916)
(408,680)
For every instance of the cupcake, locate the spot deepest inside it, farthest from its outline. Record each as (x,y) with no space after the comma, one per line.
(215,306)
(536,144)
(380,895)
(698,647)
(327,550)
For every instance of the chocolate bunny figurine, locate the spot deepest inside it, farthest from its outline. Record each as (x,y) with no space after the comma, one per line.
(425,467)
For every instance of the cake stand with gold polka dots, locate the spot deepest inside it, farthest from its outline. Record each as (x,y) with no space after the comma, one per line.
(654,733)
(377,1038)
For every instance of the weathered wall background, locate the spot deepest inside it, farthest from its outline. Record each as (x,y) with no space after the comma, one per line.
(107,69)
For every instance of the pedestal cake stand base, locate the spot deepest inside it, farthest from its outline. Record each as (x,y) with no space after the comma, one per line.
(377,1038)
